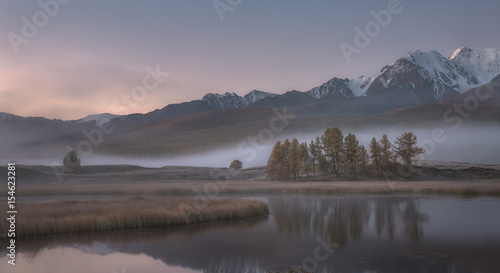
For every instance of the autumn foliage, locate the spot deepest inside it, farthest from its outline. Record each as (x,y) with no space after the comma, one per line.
(333,154)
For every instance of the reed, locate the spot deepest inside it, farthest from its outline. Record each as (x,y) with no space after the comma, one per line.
(64,216)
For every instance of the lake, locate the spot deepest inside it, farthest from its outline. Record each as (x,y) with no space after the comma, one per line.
(364,234)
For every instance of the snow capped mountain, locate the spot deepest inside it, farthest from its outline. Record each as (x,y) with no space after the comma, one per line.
(333,88)
(421,76)
(480,65)
(414,79)
(256,95)
(360,85)
(232,100)
(465,69)
(427,77)
(431,75)
(346,88)
(224,101)
(100,119)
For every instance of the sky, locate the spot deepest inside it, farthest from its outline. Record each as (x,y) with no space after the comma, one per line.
(67,59)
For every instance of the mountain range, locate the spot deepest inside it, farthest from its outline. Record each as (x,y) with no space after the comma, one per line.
(417,85)
(414,79)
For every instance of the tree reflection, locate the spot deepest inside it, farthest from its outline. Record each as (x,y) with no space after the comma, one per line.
(391,212)
(287,238)
(412,217)
(385,212)
(341,219)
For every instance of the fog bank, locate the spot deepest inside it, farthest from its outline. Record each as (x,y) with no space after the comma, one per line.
(471,144)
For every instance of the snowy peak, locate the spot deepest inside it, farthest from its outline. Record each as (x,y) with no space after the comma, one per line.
(479,65)
(224,101)
(215,96)
(464,69)
(461,52)
(416,78)
(345,88)
(438,70)
(232,100)
(256,95)
(333,88)
(428,75)
(485,55)
(360,85)
(439,76)
(430,72)
(399,73)
(432,61)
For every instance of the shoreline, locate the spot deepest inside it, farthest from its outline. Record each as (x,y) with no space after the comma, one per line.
(109,198)
(191,188)
(75,216)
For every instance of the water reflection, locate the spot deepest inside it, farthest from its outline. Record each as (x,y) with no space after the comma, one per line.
(371,234)
(391,212)
(132,242)
(342,219)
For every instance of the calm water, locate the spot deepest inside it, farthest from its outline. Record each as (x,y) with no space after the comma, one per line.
(346,234)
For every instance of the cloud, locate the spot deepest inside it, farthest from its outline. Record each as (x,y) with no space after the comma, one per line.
(67,91)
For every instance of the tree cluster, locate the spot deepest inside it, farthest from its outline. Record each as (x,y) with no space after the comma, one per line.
(335,154)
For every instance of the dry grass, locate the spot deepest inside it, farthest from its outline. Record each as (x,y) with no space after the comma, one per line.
(185,188)
(32,247)
(58,217)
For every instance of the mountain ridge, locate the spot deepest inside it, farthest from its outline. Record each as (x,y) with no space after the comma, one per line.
(414,79)
(458,73)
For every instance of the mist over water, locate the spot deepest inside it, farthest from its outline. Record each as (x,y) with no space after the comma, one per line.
(478,144)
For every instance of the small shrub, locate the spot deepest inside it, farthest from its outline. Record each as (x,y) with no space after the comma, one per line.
(71,160)
(236,164)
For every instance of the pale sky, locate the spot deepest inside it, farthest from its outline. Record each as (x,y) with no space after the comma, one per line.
(85,55)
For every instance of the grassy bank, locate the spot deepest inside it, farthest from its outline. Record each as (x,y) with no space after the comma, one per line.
(59,217)
(184,188)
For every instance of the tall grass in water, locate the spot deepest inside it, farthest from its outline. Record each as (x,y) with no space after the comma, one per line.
(36,219)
